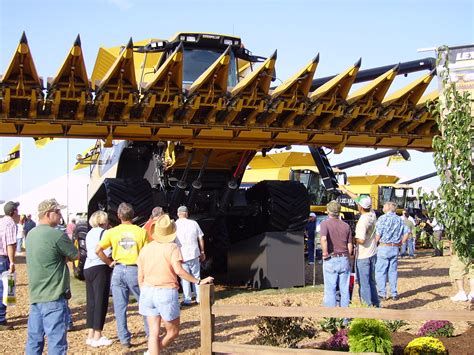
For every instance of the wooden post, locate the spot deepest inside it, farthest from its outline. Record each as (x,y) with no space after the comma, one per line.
(206,295)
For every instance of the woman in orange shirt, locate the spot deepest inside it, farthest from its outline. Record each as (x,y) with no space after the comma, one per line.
(159,264)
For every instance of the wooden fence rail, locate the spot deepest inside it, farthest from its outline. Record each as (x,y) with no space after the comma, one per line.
(208,312)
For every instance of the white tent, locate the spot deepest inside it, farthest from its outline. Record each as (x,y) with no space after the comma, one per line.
(70,191)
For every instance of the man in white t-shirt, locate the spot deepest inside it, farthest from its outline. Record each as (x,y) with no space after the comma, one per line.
(366,249)
(190,239)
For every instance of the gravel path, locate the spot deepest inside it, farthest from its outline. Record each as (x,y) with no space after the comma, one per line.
(423,283)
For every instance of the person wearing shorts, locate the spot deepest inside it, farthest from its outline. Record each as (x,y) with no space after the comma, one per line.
(159,264)
(458,270)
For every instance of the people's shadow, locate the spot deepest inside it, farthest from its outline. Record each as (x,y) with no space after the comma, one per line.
(418,302)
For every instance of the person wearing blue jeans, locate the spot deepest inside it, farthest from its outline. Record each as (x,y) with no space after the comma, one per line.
(190,239)
(336,272)
(336,244)
(410,246)
(367,283)
(386,267)
(391,232)
(126,241)
(192,267)
(48,318)
(366,249)
(47,252)
(124,281)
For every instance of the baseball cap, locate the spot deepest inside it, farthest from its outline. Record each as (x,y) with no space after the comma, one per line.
(49,205)
(312,214)
(364,201)
(333,207)
(182,209)
(10,206)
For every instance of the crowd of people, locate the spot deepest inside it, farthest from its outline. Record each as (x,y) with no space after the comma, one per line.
(372,252)
(147,262)
(122,259)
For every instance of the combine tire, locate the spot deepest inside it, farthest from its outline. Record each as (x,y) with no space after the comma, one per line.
(79,240)
(137,192)
(284,205)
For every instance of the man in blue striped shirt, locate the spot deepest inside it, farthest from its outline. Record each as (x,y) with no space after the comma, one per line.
(390,233)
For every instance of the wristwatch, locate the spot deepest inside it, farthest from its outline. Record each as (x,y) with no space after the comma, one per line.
(199,281)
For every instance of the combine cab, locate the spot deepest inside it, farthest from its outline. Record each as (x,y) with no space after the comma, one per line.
(179,120)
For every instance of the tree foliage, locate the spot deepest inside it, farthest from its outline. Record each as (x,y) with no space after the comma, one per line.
(452,204)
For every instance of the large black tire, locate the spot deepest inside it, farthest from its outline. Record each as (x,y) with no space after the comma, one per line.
(79,240)
(137,192)
(284,205)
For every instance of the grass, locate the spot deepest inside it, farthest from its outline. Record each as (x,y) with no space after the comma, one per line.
(78,290)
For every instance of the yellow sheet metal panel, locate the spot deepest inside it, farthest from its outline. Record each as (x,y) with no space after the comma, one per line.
(412,92)
(372,179)
(121,72)
(254,176)
(261,77)
(7,128)
(339,85)
(73,67)
(376,89)
(104,61)
(432,96)
(88,131)
(215,132)
(169,76)
(22,67)
(215,77)
(42,130)
(299,83)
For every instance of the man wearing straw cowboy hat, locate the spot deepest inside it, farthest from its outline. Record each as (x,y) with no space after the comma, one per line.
(159,264)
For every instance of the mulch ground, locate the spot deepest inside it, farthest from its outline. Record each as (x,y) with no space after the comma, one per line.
(423,283)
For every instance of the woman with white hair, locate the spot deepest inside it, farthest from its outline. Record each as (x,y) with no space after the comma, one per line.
(159,265)
(97,276)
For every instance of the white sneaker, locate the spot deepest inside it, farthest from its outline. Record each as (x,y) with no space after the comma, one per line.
(146,353)
(103,341)
(89,341)
(459,297)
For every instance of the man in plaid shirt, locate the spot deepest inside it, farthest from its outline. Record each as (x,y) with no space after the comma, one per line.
(8,231)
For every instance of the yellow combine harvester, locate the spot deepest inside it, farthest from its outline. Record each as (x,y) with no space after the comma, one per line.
(179,120)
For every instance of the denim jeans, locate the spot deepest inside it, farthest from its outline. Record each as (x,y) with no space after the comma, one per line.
(410,245)
(19,242)
(4,266)
(367,286)
(336,271)
(194,268)
(47,318)
(310,245)
(387,262)
(124,280)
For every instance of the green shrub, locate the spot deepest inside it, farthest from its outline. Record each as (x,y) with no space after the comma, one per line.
(394,325)
(425,346)
(332,325)
(283,331)
(369,335)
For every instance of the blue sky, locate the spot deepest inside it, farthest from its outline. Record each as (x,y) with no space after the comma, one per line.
(381,32)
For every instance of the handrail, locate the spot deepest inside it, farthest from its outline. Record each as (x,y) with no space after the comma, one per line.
(208,312)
